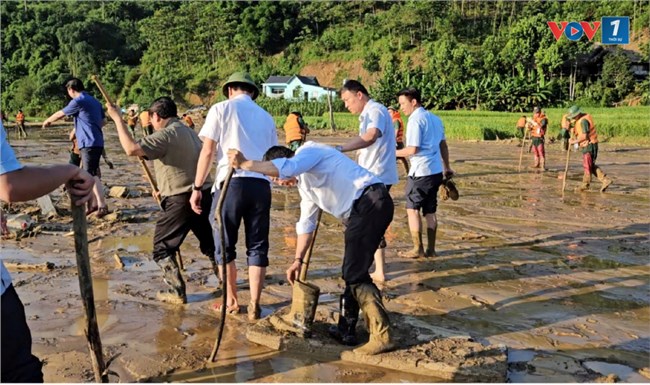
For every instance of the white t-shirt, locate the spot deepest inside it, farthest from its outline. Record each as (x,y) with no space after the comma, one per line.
(379,158)
(241,124)
(425,131)
(327,179)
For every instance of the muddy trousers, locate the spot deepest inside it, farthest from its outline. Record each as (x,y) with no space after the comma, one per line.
(18,362)
(589,156)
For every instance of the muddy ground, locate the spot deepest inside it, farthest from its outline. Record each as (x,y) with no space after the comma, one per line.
(563,283)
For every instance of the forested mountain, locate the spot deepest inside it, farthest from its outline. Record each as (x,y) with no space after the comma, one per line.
(496,55)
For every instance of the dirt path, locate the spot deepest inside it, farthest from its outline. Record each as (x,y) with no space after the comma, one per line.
(563,283)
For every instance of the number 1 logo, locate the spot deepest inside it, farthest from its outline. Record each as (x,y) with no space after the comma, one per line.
(615,29)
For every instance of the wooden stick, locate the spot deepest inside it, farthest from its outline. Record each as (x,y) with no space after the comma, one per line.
(224,280)
(86,286)
(305,260)
(521,153)
(566,169)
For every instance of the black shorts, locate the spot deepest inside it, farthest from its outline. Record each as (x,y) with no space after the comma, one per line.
(422,193)
(90,159)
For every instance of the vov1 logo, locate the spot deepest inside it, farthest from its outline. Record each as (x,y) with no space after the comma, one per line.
(615,29)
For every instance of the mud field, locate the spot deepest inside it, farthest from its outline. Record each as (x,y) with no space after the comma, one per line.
(563,283)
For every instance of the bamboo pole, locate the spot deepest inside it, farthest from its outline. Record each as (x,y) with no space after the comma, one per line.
(523,145)
(224,273)
(91,329)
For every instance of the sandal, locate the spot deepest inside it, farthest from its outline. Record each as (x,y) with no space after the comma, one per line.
(234,309)
(102,212)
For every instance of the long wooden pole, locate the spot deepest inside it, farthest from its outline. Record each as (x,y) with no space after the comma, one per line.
(521,153)
(566,169)
(224,280)
(86,286)
(305,261)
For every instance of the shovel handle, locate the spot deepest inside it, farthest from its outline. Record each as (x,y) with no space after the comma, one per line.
(305,261)
(99,85)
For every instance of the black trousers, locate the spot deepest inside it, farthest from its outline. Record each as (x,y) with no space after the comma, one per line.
(369,218)
(178,220)
(18,362)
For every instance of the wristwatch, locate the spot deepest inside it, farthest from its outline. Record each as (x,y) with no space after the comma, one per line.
(196,188)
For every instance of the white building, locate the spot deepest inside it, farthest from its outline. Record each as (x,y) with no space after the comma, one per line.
(295,87)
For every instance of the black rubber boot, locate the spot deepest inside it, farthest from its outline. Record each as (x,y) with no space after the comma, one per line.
(172,277)
(346,330)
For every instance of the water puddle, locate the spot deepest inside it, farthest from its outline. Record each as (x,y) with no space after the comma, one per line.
(624,373)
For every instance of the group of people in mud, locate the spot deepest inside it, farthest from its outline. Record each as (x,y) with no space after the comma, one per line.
(239,135)
(576,128)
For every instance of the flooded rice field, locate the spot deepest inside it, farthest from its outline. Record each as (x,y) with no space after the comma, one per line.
(562,281)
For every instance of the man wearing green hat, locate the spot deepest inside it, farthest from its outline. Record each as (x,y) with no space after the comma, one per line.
(586,137)
(239,123)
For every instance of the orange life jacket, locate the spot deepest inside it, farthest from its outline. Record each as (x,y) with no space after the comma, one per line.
(20,117)
(399,134)
(592,135)
(131,119)
(144,118)
(188,121)
(292,129)
(537,130)
(565,123)
(521,123)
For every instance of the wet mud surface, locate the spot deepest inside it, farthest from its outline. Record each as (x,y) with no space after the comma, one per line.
(561,282)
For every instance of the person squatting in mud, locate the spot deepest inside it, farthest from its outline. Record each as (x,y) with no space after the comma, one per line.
(239,123)
(426,146)
(174,149)
(20,183)
(376,147)
(331,181)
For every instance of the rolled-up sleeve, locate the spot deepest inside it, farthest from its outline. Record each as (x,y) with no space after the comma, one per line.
(308,216)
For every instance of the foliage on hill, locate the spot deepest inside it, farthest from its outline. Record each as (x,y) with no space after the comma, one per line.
(463,54)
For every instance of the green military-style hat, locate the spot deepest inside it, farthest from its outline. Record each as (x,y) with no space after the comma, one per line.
(573,112)
(240,77)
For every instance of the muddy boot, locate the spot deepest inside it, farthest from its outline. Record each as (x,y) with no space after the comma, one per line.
(431,243)
(418,250)
(346,330)
(543,163)
(303,310)
(606,182)
(172,277)
(586,180)
(376,318)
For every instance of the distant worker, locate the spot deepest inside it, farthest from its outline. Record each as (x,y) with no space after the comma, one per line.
(295,130)
(20,125)
(398,124)
(565,134)
(586,137)
(145,123)
(188,121)
(132,121)
(537,127)
(521,126)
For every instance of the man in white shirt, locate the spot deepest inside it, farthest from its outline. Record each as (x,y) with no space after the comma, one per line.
(376,144)
(239,123)
(427,149)
(332,182)
(20,183)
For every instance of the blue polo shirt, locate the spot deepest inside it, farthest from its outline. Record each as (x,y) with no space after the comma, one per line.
(88,120)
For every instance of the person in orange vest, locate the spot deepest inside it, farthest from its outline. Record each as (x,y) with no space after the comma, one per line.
(586,138)
(521,126)
(565,135)
(188,121)
(537,127)
(398,124)
(295,130)
(131,121)
(145,123)
(20,124)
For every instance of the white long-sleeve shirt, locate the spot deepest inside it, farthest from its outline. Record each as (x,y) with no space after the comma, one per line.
(327,179)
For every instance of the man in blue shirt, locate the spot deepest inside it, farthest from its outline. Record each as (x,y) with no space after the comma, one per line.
(17,184)
(426,147)
(88,116)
